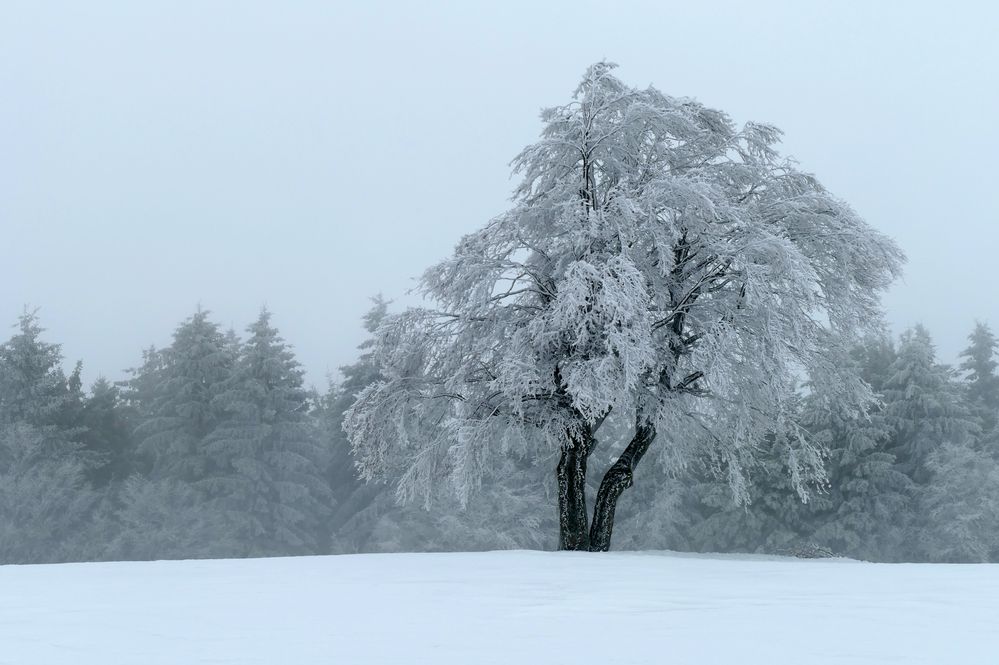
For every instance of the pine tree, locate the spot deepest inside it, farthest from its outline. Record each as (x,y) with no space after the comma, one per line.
(923,405)
(980,370)
(961,505)
(924,409)
(33,387)
(106,434)
(867,502)
(168,519)
(354,518)
(266,456)
(45,503)
(768,518)
(174,392)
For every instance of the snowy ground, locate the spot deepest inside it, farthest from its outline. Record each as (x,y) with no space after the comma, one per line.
(499,607)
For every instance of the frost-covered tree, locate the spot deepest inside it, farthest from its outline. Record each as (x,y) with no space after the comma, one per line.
(867,503)
(924,406)
(925,410)
(507,512)
(979,366)
(961,504)
(767,520)
(46,505)
(33,387)
(168,519)
(106,435)
(659,263)
(353,517)
(267,461)
(174,392)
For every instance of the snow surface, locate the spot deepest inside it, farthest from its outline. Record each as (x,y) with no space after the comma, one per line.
(499,607)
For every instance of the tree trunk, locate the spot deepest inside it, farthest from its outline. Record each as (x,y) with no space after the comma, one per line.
(618,478)
(573,522)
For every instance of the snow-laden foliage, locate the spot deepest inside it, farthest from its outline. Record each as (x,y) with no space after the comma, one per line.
(961,504)
(266,459)
(33,387)
(175,391)
(659,262)
(867,503)
(169,519)
(106,436)
(923,405)
(980,366)
(510,511)
(45,503)
(351,495)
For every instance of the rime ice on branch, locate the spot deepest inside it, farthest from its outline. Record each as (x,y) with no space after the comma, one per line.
(660,264)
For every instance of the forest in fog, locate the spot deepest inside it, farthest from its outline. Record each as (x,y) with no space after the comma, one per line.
(664,280)
(215,447)
(498,333)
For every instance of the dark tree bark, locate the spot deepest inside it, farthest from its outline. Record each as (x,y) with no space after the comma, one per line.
(573,521)
(619,477)
(575,531)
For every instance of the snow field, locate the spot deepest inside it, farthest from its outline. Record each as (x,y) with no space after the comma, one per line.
(499,607)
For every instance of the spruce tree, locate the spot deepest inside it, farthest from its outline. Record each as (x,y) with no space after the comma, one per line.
(266,456)
(979,366)
(768,518)
(867,500)
(33,387)
(923,405)
(106,433)
(353,519)
(175,390)
(925,410)
(168,519)
(961,505)
(45,502)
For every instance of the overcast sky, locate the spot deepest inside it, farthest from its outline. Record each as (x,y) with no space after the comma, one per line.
(158,155)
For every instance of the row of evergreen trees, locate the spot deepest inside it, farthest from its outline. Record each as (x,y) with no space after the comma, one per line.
(209,449)
(918,480)
(214,447)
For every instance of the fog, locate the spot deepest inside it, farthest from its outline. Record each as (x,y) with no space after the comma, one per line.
(158,156)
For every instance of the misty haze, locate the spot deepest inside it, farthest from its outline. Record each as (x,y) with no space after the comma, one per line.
(453,333)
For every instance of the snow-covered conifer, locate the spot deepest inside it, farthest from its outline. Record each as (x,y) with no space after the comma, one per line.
(924,407)
(45,502)
(355,514)
(961,505)
(175,390)
(106,434)
(267,461)
(33,387)
(979,366)
(867,503)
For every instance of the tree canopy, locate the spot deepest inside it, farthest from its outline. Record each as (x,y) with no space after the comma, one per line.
(659,262)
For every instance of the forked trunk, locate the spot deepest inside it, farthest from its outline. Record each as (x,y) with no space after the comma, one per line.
(619,477)
(575,532)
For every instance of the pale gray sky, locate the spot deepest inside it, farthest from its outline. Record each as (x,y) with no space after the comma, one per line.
(156,155)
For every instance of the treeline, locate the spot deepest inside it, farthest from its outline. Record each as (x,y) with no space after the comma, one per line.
(915,480)
(215,447)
